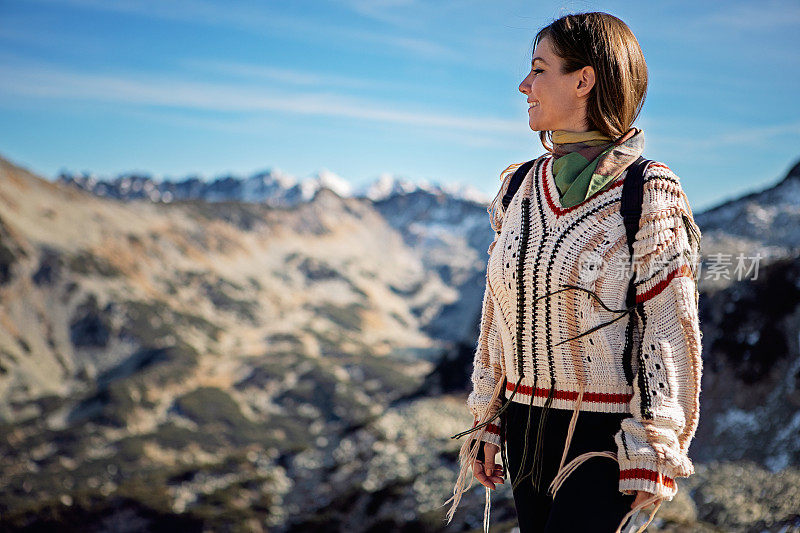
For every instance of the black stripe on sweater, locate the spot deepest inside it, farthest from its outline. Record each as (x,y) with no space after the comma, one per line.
(539,250)
(644,383)
(523,248)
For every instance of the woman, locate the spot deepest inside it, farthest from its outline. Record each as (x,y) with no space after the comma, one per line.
(555,327)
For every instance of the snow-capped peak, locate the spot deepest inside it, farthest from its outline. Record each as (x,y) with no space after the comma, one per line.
(275,176)
(324,178)
(466,192)
(334,182)
(388,185)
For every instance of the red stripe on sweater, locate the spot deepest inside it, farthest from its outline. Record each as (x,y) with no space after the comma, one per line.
(646,474)
(600,397)
(561,211)
(682,270)
(490,428)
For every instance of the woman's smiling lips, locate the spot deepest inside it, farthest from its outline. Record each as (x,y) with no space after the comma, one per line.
(532,104)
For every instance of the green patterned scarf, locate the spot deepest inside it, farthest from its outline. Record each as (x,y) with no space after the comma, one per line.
(586,161)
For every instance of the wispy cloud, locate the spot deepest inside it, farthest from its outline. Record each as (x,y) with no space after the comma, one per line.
(145,89)
(259,18)
(192,11)
(740,138)
(750,136)
(389,11)
(260,72)
(767,14)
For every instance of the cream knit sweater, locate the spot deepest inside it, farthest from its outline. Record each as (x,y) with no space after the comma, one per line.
(555,273)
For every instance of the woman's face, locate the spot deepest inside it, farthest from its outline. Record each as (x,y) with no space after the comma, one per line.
(556,101)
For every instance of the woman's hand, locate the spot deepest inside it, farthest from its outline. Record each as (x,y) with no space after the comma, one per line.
(488,473)
(641,496)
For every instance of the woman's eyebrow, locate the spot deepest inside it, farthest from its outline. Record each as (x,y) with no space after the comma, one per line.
(539,58)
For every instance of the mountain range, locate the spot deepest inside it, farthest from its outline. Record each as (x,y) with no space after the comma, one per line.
(271,187)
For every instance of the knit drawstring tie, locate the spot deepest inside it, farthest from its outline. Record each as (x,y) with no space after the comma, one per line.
(469,453)
(565,471)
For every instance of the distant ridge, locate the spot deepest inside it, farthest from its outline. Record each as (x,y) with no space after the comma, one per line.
(272,187)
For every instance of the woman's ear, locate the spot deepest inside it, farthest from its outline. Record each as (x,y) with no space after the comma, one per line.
(585,80)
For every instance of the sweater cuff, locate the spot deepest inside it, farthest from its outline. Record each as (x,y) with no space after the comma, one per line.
(642,474)
(492,434)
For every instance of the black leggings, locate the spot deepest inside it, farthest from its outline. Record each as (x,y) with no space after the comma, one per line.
(589,499)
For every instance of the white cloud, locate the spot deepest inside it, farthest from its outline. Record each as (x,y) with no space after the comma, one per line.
(291,76)
(762,15)
(744,137)
(752,135)
(256,18)
(42,81)
(399,13)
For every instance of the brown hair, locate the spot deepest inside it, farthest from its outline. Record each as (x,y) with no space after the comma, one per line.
(607,44)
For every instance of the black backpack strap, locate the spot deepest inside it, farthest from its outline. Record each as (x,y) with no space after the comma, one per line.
(632,197)
(516,180)
(631,210)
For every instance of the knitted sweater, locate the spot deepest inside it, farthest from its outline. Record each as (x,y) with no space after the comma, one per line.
(555,273)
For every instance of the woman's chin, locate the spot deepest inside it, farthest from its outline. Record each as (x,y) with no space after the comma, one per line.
(536,123)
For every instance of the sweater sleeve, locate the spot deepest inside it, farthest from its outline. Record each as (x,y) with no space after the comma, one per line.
(486,370)
(667,361)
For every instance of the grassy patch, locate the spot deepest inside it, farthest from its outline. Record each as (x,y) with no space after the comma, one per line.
(215,411)
(348,317)
(86,263)
(151,322)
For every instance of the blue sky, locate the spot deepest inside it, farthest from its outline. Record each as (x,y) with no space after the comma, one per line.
(426,90)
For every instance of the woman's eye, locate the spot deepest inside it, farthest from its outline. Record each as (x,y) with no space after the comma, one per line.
(537,70)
